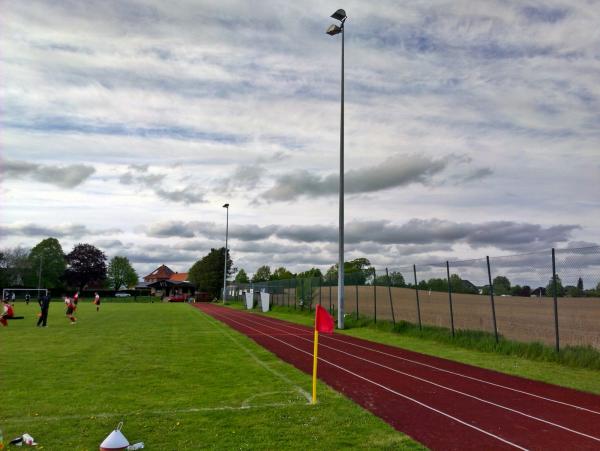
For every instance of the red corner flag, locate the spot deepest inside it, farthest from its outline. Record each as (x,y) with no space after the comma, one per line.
(323,320)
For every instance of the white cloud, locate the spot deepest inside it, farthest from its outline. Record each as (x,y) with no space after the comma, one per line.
(480,119)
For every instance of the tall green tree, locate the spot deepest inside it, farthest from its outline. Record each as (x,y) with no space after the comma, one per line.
(560,291)
(356,272)
(121,273)
(85,264)
(48,263)
(311,273)
(396,279)
(281,273)
(207,273)
(262,274)
(242,277)
(501,285)
(15,267)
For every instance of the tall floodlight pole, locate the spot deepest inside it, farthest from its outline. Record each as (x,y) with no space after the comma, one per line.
(333,29)
(226,206)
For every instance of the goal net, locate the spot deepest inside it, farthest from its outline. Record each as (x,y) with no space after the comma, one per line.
(20,294)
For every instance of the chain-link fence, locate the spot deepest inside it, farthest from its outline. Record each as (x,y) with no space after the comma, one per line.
(552,297)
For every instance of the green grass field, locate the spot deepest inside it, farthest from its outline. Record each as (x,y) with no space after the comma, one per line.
(176,378)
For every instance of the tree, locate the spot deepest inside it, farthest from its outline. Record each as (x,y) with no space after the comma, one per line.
(262,274)
(560,291)
(15,267)
(281,273)
(121,273)
(310,274)
(356,272)
(207,273)
(48,264)
(501,285)
(396,279)
(85,264)
(241,277)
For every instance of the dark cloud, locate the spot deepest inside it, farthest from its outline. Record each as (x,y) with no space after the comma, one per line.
(308,233)
(173,228)
(62,176)
(186,195)
(66,231)
(416,233)
(139,175)
(210,230)
(399,170)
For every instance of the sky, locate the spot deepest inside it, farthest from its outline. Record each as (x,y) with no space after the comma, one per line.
(472,128)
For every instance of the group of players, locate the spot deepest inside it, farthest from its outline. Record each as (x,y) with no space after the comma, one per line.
(8,311)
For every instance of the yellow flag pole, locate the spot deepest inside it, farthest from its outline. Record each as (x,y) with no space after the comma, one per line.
(314,383)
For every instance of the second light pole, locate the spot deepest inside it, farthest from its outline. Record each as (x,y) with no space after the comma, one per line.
(333,29)
(226,206)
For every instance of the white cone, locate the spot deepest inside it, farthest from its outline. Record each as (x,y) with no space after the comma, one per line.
(115,441)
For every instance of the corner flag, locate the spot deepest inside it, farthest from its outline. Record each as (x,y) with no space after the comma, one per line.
(323,323)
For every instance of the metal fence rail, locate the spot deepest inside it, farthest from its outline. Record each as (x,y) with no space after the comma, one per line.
(551,297)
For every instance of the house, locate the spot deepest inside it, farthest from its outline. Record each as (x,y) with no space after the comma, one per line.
(163,272)
(164,282)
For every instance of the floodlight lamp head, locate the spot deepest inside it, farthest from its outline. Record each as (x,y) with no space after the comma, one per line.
(333,30)
(226,206)
(340,15)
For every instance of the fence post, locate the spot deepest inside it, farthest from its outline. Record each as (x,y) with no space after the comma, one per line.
(450,297)
(311,296)
(289,291)
(492,297)
(389,282)
(330,298)
(320,289)
(555,285)
(375,294)
(356,290)
(417,293)
(295,293)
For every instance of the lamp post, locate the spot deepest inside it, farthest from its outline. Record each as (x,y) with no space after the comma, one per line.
(226,206)
(333,29)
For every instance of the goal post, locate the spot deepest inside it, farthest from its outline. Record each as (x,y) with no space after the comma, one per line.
(20,293)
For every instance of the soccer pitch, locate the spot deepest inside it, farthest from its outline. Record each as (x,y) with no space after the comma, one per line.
(177,378)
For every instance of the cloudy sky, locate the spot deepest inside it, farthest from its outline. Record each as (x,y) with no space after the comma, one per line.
(472,128)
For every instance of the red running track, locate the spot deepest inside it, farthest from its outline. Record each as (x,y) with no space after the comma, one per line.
(440,403)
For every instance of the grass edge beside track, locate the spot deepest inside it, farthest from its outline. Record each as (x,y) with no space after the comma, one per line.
(574,367)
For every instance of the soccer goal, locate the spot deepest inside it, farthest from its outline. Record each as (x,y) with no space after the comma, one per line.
(20,294)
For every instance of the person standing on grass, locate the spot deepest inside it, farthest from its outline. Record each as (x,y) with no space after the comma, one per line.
(97,301)
(44,302)
(70,309)
(27,298)
(76,298)
(7,312)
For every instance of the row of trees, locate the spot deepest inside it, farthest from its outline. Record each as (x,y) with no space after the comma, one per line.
(47,266)
(360,272)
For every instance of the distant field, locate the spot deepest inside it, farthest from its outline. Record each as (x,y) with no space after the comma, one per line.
(176,378)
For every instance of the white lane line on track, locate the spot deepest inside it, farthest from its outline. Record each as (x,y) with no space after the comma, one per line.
(219,326)
(386,388)
(518,412)
(574,406)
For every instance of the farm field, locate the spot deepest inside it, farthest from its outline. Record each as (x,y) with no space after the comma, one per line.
(176,378)
(518,318)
